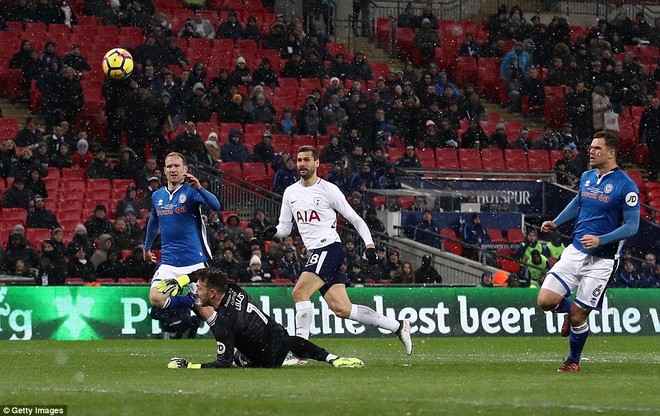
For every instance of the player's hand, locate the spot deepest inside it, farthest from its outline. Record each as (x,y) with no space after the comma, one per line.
(269,232)
(548,226)
(149,256)
(169,286)
(192,181)
(176,362)
(589,241)
(371,255)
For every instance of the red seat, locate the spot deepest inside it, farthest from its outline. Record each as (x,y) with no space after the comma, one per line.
(36,236)
(446,158)
(73,173)
(493,160)
(495,235)
(469,159)
(394,153)
(426,157)
(510,266)
(14,216)
(451,241)
(539,161)
(516,160)
(302,140)
(8,128)
(515,235)
(231,168)
(466,70)
(72,185)
(324,169)
(635,175)
(94,185)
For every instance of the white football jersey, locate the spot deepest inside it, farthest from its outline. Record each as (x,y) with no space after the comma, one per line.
(314,209)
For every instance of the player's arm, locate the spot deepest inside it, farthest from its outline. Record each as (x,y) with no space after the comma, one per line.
(627,229)
(571,211)
(225,347)
(284,225)
(150,235)
(205,197)
(339,203)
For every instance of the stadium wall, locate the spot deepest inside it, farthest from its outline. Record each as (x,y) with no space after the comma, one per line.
(84,313)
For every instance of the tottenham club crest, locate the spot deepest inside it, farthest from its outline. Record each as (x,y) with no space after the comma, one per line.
(182,198)
(317,201)
(609,188)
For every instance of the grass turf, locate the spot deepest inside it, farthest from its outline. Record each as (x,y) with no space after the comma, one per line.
(445,376)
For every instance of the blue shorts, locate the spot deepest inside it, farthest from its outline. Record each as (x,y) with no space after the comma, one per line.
(326,263)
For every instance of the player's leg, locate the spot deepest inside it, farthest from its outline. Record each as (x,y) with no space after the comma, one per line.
(308,283)
(558,285)
(165,300)
(305,349)
(337,299)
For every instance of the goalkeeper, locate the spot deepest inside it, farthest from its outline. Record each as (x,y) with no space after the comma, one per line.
(244,334)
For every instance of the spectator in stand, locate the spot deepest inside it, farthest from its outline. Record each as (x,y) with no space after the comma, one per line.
(339,68)
(524,251)
(230,28)
(188,143)
(474,137)
(17,196)
(49,55)
(76,61)
(474,234)
(105,243)
(29,135)
(285,176)
(360,68)
(202,27)
(426,40)
(234,150)
(408,19)
(258,224)
(426,273)
(472,108)
(523,58)
(129,201)
(427,13)
(499,138)
(83,157)
(97,224)
(22,57)
(121,235)
(112,267)
(627,276)
(79,267)
(600,103)
(41,217)
(227,263)
(649,134)
(99,168)
(564,177)
(290,267)
(555,246)
(80,238)
(409,159)
(652,281)
(406,274)
(469,47)
(579,111)
(338,176)
(17,248)
(265,75)
(262,113)
(136,266)
(241,74)
(533,88)
(113,15)
(313,67)
(255,272)
(251,30)
(52,264)
(389,179)
(426,232)
(375,225)
(536,268)
(134,229)
(333,151)
(514,78)
(35,184)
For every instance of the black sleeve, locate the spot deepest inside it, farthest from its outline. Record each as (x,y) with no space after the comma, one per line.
(222,326)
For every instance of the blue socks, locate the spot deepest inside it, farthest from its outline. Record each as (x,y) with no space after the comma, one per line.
(576,341)
(178,302)
(564,306)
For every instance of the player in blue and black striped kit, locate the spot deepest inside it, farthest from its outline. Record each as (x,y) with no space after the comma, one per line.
(606,211)
(176,210)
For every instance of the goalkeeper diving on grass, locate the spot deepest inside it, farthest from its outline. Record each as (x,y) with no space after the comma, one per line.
(244,334)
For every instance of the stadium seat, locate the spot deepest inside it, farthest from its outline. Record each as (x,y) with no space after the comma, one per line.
(8,128)
(493,160)
(14,216)
(35,236)
(451,241)
(495,235)
(538,160)
(74,281)
(426,157)
(515,235)
(73,173)
(516,160)
(469,159)
(446,158)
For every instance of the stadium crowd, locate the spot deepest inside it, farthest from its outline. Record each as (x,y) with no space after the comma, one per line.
(363,117)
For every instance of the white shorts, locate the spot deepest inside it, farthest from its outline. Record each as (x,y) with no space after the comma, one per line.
(577,270)
(166,271)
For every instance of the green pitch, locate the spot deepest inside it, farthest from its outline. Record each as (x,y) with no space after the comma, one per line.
(445,376)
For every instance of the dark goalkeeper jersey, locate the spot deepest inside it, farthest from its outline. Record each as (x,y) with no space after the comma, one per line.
(239,323)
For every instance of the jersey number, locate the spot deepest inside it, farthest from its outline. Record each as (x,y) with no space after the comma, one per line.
(313,259)
(251,308)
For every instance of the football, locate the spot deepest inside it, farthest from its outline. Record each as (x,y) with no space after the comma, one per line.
(118,64)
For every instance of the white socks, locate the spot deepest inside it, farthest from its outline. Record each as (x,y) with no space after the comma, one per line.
(366,315)
(304,316)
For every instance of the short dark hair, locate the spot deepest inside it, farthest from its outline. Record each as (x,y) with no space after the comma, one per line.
(308,148)
(213,279)
(611,140)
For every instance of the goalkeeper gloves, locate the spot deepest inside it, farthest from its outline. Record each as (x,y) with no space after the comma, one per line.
(371,255)
(176,362)
(269,232)
(173,286)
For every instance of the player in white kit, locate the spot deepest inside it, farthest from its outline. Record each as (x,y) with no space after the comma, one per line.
(313,203)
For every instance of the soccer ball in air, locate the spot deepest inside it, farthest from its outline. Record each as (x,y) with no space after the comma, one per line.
(118,64)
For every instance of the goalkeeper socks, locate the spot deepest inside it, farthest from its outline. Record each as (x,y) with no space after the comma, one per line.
(576,340)
(564,306)
(366,315)
(178,302)
(330,358)
(304,316)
